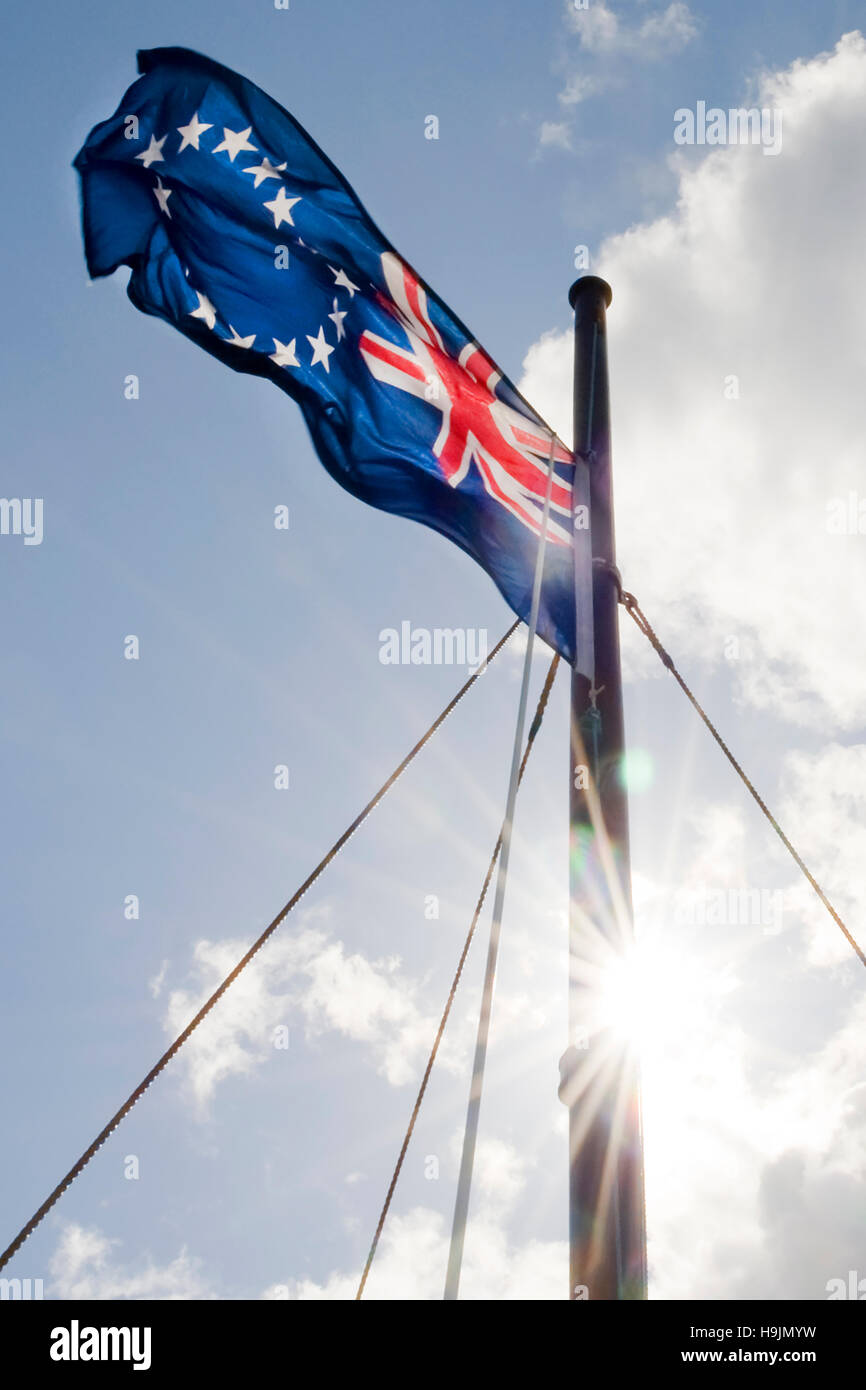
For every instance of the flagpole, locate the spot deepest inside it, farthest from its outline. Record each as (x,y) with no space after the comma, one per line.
(607,1234)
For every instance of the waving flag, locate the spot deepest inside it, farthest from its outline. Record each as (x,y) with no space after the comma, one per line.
(241,233)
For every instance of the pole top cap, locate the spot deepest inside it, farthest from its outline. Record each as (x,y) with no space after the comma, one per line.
(590,284)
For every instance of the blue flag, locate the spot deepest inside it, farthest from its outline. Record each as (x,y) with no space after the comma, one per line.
(241,233)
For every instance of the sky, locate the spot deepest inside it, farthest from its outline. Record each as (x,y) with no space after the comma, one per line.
(737,359)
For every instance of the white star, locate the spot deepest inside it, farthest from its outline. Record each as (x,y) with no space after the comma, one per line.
(342,279)
(204,311)
(337,320)
(237,341)
(321,349)
(192,132)
(153,153)
(234,141)
(285,354)
(281,207)
(162,196)
(265,170)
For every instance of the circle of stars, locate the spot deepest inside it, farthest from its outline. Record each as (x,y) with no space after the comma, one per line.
(233,143)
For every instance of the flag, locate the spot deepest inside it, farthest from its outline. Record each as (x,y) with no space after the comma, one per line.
(242,234)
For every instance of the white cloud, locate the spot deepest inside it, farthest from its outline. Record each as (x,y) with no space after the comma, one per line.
(305,980)
(597,25)
(753,1149)
(663,32)
(155,985)
(613,45)
(500,1171)
(667,31)
(371,1002)
(412,1257)
(722,503)
(84,1266)
(410,1264)
(810,1224)
(823,811)
(579,87)
(555,134)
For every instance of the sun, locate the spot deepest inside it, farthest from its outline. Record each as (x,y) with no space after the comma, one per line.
(652,995)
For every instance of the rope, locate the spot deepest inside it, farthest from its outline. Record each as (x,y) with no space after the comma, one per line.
(533,730)
(634,610)
(476,1084)
(230,978)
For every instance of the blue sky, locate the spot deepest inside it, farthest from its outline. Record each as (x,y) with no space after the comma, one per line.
(262,1169)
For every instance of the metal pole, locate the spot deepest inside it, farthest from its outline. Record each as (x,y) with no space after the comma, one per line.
(599,1084)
